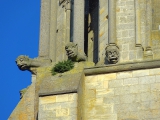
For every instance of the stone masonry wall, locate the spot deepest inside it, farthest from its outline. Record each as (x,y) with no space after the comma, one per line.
(155,28)
(155,14)
(130,95)
(125,20)
(58,107)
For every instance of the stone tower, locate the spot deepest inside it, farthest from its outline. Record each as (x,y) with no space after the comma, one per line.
(115,47)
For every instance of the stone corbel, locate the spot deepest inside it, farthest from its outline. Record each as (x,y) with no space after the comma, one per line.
(25,63)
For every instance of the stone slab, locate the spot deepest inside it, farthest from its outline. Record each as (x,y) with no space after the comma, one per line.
(60,84)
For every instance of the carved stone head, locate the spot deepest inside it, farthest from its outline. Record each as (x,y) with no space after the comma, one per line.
(22,62)
(71,50)
(112,54)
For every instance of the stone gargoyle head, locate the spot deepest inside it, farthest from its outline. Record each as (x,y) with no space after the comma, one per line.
(73,53)
(23,62)
(71,50)
(112,54)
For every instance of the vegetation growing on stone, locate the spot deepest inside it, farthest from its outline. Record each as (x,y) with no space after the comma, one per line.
(62,67)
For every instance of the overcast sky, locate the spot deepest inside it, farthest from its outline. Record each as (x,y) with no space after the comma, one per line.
(19,35)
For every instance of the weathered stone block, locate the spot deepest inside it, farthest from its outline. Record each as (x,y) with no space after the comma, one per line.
(128,98)
(112,99)
(90,93)
(124,75)
(62,112)
(154,105)
(122,90)
(47,100)
(90,79)
(72,97)
(157,78)
(103,77)
(155,87)
(102,92)
(105,84)
(115,83)
(144,88)
(102,109)
(147,80)
(134,89)
(132,55)
(62,98)
(130,81)
(60,84)
(138,73)
(145,96)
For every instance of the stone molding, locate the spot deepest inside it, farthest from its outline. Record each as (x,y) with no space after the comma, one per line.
(122,67)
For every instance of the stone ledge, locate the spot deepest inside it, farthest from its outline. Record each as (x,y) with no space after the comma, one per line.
(60,84)
(122,67)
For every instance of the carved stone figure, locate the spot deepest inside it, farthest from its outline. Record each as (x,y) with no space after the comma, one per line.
(25,63)
(112,54)
(73,53)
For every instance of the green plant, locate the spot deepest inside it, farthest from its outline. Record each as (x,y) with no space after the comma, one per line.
(62,67)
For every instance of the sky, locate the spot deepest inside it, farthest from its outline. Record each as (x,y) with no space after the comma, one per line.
(19,35)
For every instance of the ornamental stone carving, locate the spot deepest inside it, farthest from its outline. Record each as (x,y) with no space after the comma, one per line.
(112,53)
(73,53)
(25,63)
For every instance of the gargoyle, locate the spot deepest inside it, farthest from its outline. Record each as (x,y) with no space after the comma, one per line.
(112,54)
(73,53)
(25,63)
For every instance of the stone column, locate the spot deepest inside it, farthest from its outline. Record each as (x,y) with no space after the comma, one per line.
(66,5)
(44,28)
(68,19)
(112,47)
(53,28)
(112,21)
(148,50)
(138,23)
(103,29)
(138,40)
(78,23)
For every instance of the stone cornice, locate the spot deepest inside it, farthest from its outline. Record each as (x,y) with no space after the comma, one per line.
(122,67)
